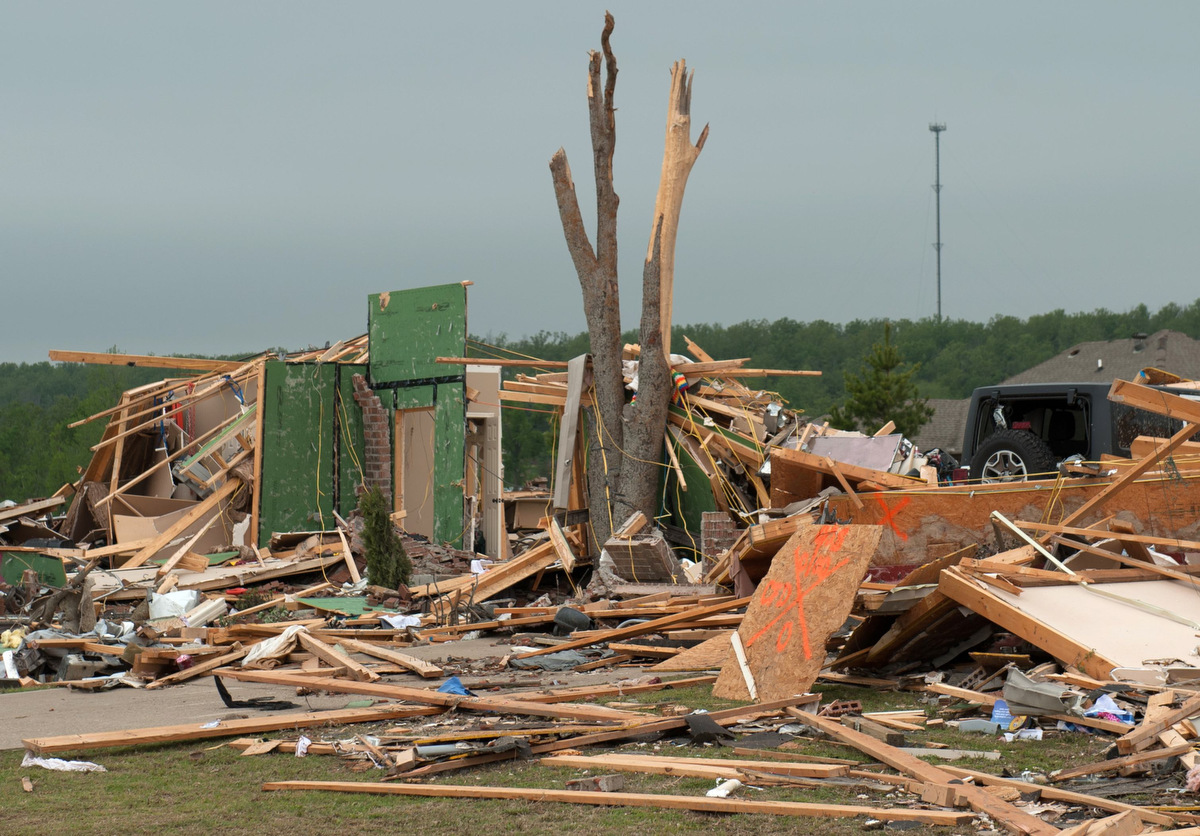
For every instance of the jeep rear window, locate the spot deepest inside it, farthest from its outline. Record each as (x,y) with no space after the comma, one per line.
(1129,422)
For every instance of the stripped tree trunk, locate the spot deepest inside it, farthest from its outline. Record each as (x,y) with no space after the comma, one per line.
(625,445)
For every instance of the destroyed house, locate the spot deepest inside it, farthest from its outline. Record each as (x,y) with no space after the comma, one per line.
(282,443)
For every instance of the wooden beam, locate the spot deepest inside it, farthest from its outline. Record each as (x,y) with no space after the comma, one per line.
(1058,794)
(237,652)
(431,697)
(627,799)
(1113,764)
(31,508)
(412,663)
(333,657)
(493,361)
(1144,734)
(226,728)
(640,629)
(145,361)
(979,800)
(694,767)
(1171,543)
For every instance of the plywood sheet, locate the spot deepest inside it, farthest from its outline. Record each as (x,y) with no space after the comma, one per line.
(935,521)
(804,598)
(710,654)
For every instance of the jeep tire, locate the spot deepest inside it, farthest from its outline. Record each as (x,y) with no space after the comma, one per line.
(1011,456)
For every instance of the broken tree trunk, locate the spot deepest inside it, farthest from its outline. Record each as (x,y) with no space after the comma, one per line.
(626,441)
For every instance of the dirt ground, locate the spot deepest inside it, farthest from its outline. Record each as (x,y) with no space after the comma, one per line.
(58,711)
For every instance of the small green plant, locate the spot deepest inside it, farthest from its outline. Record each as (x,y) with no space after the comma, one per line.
(387,563)
(275,615)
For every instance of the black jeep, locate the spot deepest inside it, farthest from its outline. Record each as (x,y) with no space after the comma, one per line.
(1022,431)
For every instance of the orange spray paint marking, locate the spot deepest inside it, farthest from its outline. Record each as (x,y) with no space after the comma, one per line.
(810,569)
(889,514)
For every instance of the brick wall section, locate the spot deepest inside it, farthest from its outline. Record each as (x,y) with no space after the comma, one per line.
(717,533)
(377,461)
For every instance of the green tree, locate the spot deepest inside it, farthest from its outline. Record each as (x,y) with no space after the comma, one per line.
(882,391)
(387,562)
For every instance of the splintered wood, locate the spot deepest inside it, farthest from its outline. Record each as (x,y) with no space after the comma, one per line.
(804,598)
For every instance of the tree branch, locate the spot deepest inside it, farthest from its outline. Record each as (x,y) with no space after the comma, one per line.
(679,155)
(574,230)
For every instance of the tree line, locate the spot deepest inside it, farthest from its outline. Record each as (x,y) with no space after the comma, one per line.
(38,453)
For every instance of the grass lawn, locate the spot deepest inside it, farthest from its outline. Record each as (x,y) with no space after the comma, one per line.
(206,787)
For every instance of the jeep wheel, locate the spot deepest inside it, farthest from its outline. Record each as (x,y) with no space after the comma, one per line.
(1011,456)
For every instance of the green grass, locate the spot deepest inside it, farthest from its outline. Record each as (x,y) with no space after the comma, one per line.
(205,788)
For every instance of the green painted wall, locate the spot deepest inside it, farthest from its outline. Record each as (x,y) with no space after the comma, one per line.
(303,469)
(449,442)
(686,507)
(409,329)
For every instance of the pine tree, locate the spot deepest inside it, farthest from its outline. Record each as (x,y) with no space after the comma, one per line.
(387,563)
(882,391)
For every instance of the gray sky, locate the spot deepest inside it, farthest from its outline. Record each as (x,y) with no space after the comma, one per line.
(220,177)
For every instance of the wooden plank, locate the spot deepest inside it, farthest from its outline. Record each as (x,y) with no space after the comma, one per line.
(1169,543)
(843,481)
(1144,734)
(431,697)
(351,566)
(333,657)
(226,728)
(653,626)
(237,652)
(1058,794)
(747,713)
(31,508)
(1157,707)
(494,361)
(708,767)
(180,553)
(561,547)
(626,799)
(1114,764)
(979,800)
(208,506)
(412,663)
(799,460)
(144,361)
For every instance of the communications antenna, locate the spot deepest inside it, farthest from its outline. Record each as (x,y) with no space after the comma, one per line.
(937,128)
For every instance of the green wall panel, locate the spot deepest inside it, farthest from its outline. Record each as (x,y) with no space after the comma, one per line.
(409,329)
(449,442)
(304,467)
(351,445)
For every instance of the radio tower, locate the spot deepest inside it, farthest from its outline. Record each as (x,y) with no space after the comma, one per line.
(937,128)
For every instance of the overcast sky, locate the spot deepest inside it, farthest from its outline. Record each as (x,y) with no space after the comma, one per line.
(224,177)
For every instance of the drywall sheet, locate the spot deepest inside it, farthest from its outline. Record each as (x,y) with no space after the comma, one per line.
(409,329)
(806,595)
(1120,632)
